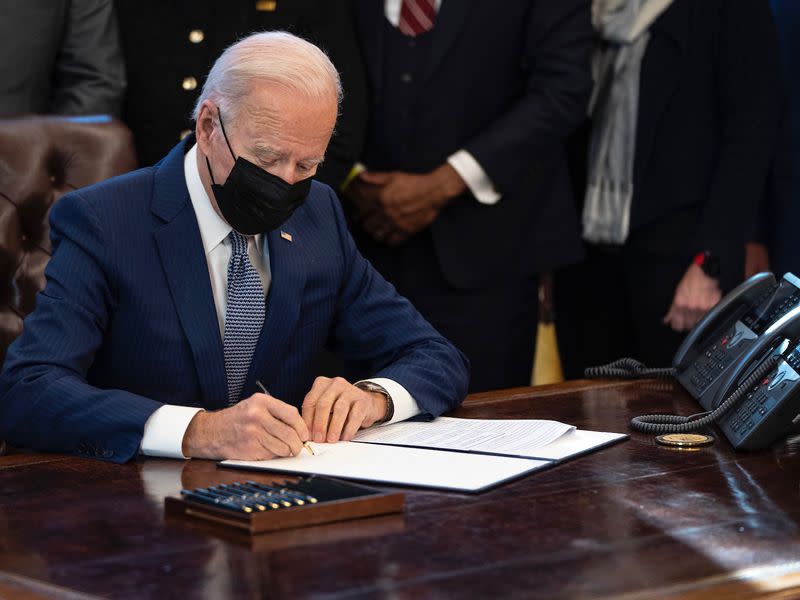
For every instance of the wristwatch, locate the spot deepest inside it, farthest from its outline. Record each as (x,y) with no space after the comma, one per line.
(369,386)
(709,262)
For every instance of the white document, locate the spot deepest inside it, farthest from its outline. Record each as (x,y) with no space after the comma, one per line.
(577,442)
(521,437)
(400,465)
(528,438)
(467,455)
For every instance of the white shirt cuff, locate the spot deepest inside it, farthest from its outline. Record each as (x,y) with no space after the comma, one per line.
(474,176)
(405,406)
(164,430)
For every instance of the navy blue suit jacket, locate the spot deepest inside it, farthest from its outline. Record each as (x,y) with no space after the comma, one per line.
(127,319)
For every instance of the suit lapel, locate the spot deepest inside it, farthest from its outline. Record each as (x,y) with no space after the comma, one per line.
(449,24)
(288,268)
(660,80)
(183,259)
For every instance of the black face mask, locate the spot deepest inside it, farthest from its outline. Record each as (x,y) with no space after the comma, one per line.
(254,201)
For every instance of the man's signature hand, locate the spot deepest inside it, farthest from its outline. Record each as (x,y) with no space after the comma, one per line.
(257,428)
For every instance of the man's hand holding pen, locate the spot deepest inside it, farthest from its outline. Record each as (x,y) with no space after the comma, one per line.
(257,428)
(262,427)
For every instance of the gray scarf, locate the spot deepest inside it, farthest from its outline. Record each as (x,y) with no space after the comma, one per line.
(623,26)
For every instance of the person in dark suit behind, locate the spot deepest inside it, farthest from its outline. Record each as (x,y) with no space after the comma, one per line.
(155,306)
(466,196)
(60,57)
(774,244)
(684,122)
(170,45)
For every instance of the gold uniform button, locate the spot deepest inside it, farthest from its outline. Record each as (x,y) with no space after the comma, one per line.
(184,133)
(196,36)
(189,83)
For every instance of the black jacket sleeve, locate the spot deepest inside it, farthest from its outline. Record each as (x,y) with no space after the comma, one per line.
(556,58)
(748,83)
(89,76)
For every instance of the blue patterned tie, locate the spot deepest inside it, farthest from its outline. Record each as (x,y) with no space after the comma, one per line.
(244,315)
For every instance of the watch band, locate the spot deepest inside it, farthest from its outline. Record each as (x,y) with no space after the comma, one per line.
(708,262)
(369,386)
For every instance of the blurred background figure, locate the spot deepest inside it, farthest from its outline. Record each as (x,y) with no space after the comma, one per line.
(169,46)
(684,117)
(60,57)
(466,197)
(774,245)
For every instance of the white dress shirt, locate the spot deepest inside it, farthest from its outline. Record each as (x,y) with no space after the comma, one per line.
(462,161)
(164,430)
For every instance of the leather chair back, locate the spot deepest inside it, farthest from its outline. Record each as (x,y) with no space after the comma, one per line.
(41,159)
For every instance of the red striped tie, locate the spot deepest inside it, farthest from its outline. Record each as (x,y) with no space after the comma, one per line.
(416,16)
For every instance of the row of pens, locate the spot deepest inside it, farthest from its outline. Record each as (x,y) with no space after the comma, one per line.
(249,497)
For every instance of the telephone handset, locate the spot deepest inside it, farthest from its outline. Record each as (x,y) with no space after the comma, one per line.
(729,330)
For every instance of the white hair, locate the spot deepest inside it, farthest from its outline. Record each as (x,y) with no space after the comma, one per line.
(275,57)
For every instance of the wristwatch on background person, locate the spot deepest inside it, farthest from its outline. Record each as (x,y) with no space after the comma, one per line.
(369,386)
(709,262)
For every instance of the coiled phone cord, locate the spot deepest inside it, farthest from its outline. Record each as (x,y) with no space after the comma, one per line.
(658,424)
(629,368)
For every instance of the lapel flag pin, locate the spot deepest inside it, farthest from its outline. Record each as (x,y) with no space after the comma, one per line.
(286,236)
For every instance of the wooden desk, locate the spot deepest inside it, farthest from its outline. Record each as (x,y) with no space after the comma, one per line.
(635,520)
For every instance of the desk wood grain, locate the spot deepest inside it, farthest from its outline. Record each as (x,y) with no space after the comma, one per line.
(635,520)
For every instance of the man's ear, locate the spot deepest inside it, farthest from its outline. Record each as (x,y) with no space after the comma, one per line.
(205,126)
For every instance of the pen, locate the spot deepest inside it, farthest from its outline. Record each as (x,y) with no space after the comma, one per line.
(227,497)
(239,496)
(306,445)
(303,497)
(272,501)
(272,497)
(265,489)
(198,497)
(307,497)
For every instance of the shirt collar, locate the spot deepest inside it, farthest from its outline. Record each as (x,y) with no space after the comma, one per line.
(213,228)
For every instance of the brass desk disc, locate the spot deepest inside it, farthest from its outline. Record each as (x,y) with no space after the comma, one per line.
(685,440)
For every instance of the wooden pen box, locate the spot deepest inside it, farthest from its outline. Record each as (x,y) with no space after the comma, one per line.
(336,501)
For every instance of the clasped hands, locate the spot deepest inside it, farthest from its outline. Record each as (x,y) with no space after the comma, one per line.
(392,206)
(262,426)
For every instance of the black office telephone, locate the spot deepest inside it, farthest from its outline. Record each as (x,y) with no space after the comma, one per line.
(741,362)
(729,330)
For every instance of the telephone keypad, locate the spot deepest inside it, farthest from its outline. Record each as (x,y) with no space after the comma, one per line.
(714,361)
(741,420)
(762,399)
